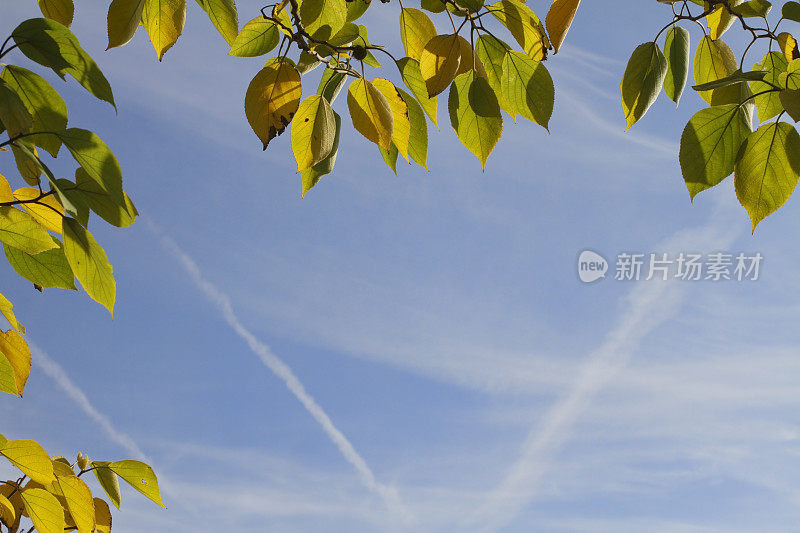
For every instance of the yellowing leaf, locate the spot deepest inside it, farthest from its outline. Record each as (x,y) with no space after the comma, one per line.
(524,25)
(30,457)
(44,510)
(416,29)
(6,194)
(767,172)
(439,62)
(475,114)
(14,348)
(401,130)
(124,17)
(713,61)
(102,516)
(85,193)
(720,20)
(224,17)
(47,211)
(97,160)
(46,269)
(89,263)
(412,77)
(272,99)
(108,481)
(79,502)
(140,476)
(313,132)
(164,20)
(62,11)
(559,19)
(13,113)
(788,45)
(322,19)
(468,59)
(370,112)
(20,230)
(418,140)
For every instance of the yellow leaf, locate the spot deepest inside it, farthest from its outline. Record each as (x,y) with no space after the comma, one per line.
(788,46)
(16,351)
(313,132)
(7,310)
(44,510)
(720,20)
(124,17)
(439,62)
(416,29)
(370,112)
(401,131)
(559,19)
(90,264)
(524,25)
(79,502)
(272,99)
(7,512)
(164,20)
(139,476)
(30,457)
(47,211)
(108,481)
(62,11)
(102,516)
(19,230)
(6,195)
(10,491)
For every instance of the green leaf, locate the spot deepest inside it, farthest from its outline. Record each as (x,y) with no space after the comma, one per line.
(768,104)
(754,8)
(676,50)
(47,108)
(524,25)
(47,269)
(475,114)
(412,77)
(713,61)
(164,21)
(791,78)
(16,352)
(491,52)
(224,17)
(356,8)
(89,263)
(20,230)
(790,100)
(31,156)
(86,194)
(108,481)
(416,29)
(791,11)
(94,156)
(418,141)
(322,19)
(313,131)
(390,157)
(642,81)
(30,458)
(257,37)
(52,45)
(124,17)
(767,172)
(140,476)
(13,113)
(737,77)
(370,112)
(311,176)
(528,88)
(710,145)
(27,160)
(331,83)
(44,509)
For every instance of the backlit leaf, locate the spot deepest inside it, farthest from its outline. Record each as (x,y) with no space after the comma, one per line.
(559,19)
(124,17)
(642,81)
(30,458)
(44,510)
(140,476)
(370,112)
(416,29)
(475,114)
(89,263)
(313,131)
(439,62)
(19,230)
(256,38)
(528,88)
(272,99)
(676,50)
(164,20)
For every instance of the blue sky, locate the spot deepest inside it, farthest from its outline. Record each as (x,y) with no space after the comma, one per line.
(435,317)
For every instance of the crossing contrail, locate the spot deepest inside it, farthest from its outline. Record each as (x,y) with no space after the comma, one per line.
(282,370)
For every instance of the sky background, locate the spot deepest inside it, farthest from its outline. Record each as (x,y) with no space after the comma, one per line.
(436,317)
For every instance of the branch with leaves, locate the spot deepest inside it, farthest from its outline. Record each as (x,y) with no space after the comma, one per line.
(746,130)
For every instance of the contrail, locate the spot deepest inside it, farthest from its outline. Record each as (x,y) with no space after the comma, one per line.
(282,370)
(57,374)
(650,304)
